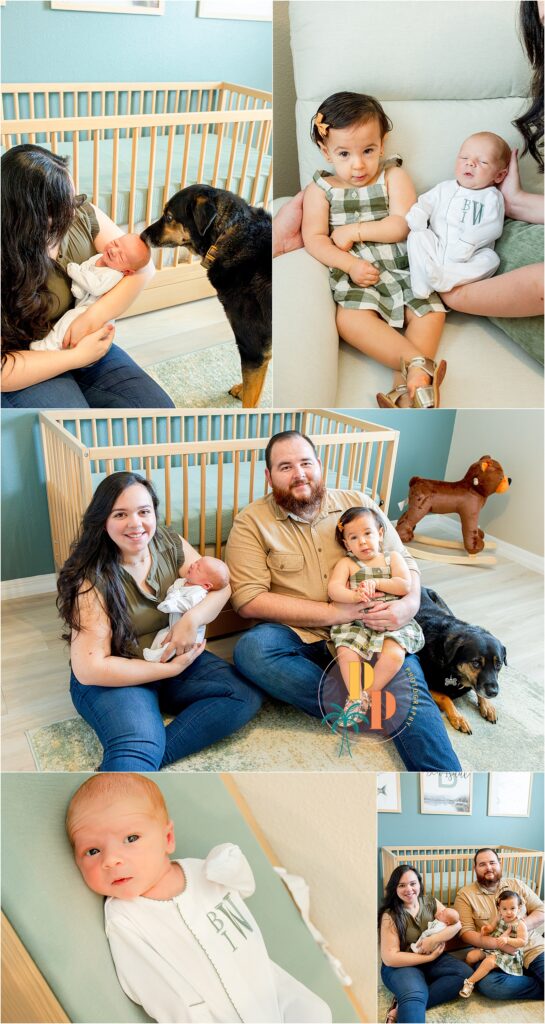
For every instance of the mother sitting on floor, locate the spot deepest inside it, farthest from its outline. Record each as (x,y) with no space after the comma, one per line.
(45,226)
(119,569)
(418,980)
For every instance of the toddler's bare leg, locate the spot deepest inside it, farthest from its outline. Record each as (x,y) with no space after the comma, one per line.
(346,657)
(424,332)
(388,663)
(474,956)
(487,965)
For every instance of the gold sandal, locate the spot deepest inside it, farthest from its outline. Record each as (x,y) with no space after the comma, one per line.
(391,400)
(391,1015)
(426,397)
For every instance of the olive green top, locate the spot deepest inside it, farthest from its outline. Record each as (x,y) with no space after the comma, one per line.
(76,247)
(167,555)
(418,924)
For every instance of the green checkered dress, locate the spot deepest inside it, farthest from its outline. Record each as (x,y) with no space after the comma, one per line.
(393,291)
(508,964)
(359,637)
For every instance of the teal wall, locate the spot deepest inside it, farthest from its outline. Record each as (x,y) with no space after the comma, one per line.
(26,542)
(43,45)
(414,829)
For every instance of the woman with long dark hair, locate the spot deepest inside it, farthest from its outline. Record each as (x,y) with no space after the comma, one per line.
(418,980)
(119,569)
(45,226)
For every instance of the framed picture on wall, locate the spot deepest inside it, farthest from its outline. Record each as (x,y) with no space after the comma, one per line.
(388,792)
(446,792)
(111,6)
(509,794)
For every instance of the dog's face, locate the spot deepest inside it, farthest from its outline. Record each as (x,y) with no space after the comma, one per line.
(475,658)
(187,218)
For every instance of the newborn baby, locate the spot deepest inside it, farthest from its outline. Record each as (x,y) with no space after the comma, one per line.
(184,944)
(96,276)
(465,218)
(202,575)
(443,918)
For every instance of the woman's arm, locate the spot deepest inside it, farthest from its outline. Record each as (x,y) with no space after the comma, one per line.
(393,956)
(25,368)
(91,653)
(118,299)
(520,205)
(400,582)
(338,589)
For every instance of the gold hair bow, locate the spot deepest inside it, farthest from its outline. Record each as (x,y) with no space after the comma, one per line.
(321,127)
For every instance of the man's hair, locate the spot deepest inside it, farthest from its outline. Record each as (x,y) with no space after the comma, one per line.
(284,435)
(483,849)
(116,784)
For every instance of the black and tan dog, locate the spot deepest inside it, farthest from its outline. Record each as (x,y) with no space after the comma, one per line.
(235,241)
(458,658)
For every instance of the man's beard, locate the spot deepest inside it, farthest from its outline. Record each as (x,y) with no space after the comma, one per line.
(300,506)
(489,883)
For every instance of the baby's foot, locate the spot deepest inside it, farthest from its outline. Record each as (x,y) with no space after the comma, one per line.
(467,989)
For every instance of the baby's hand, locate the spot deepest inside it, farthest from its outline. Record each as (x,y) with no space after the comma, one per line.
(417,219)
(345,236)
(363,273)
(367,589)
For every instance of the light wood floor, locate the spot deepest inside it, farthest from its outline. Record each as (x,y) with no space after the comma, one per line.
(506,599)
(166,333)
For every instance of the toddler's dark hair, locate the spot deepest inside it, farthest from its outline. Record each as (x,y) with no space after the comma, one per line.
(353,513)
(508,894)
(344,109)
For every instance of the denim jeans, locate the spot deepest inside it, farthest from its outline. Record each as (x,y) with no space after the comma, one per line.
(209,701)
(498,985)
(417,989)
(114,382)
(275,658)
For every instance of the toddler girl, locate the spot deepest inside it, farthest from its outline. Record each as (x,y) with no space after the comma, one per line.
(354,223)
(366,574)
(184,944)
(510,931)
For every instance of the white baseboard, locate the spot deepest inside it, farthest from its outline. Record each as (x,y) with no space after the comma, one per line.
(519,555)
(29,586)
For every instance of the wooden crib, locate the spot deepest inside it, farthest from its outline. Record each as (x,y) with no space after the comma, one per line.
(206,465)
(131,146)
(445,869)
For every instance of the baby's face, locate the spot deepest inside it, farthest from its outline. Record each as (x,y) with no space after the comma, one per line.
(126,253)
(206,572)
(121,847)
(479,164)
(509,909)
(443,915)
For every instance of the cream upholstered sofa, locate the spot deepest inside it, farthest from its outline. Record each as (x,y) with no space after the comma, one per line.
(442,71)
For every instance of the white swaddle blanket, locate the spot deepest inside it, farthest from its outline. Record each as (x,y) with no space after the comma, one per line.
(180,597)
(89,282)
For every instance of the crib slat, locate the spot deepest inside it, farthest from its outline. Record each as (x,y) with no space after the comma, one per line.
(168,511)
(234,138)
(200,171)
(185,495)
(268,187)
(340,461)
(134,164)
(187,145)
(96,165)
(236,482)
(115,169)
(151,174)
(264,135)
(75,160)
(202,517)
(219,506)
(242,180)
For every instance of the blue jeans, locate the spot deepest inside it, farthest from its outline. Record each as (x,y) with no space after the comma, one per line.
(114,382)
(209,701)
(498,985)
(279,662)
(417,989)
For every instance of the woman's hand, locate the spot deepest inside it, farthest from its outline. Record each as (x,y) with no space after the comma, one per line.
(435,953)
(345,236)
(183,661)
(286,226)
(84,324)
(429,945)
(363,273)
(181,638)
(510,186)
(93,347)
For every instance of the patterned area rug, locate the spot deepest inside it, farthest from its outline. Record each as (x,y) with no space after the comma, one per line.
(281,738)
(202,379)
(476,1010)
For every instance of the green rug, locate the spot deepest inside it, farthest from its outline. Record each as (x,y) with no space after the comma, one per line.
(477,1009)
(281,738)
(202,379)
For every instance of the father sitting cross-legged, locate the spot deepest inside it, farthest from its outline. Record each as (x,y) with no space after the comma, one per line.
(280,553)
(476,905)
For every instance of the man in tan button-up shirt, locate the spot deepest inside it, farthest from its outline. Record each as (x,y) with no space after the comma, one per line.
(280,553)
(476,905)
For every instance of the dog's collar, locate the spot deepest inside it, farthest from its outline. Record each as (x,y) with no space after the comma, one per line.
(210,256)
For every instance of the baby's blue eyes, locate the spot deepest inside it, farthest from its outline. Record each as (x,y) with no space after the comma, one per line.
(93,850)
(132,838)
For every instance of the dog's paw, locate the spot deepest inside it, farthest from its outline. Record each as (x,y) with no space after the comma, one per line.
(236,391)
(461,724)
(487,710)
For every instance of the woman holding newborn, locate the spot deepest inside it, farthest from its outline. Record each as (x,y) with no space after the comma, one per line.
(45,226)
(119,570)
(418,980)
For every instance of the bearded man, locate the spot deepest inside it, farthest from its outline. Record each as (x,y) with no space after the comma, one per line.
(477,906)
(281,552)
